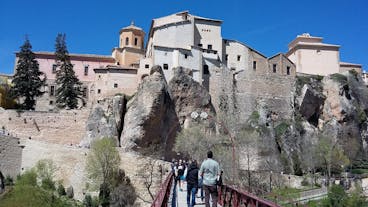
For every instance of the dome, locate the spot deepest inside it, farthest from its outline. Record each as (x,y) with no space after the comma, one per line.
(131,27)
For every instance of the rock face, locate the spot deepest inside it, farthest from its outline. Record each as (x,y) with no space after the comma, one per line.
(150,121)
(345,113)
(188,96)
(310,103)
(105,120)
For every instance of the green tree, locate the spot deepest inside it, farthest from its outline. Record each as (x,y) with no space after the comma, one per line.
(103,162)
(27,80)
(69,87)
(331,156)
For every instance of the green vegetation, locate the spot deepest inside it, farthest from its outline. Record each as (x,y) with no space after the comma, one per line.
(359,171)
(337,197)
(27,80)
(69,87)
(340,78)
(281,129)
(103,168)
(27,192)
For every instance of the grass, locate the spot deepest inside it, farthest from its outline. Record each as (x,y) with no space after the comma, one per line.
(359,171)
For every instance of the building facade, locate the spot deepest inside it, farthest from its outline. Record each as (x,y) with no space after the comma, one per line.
(189,41)
(312,56)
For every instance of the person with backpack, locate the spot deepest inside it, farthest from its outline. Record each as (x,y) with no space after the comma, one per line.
(192,183)
(210,172)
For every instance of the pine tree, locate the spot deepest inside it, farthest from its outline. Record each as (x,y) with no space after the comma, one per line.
(27,80)
(68,91)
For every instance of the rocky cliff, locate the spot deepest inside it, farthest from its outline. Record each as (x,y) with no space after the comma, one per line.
(159,110)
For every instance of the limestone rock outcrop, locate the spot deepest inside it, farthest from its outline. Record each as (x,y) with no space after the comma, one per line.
(189,96)
(150,120)
(105,120)
(310,102)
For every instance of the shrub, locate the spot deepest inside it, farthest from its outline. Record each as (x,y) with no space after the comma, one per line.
(305,182)
(90,202)
(281,129)
(48,184)
(28,178)
(339,78)
(8,180)
(61,190)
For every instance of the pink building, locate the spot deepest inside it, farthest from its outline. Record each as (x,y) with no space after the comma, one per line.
(83,67)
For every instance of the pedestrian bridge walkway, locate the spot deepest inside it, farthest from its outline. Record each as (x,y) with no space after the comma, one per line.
(170,195)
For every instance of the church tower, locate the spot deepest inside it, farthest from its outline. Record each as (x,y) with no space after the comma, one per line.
(131,46)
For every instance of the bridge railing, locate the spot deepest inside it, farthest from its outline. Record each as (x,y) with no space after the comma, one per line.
(231,196)
(163,194)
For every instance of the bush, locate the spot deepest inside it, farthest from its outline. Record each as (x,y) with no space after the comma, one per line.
(8,181)
(48,184)
(61,190)
(305,182)
(90,202)
(340,78)
(28,178)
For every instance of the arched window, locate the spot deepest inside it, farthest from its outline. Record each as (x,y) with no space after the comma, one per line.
(135,41)
(127,41)
(205,70)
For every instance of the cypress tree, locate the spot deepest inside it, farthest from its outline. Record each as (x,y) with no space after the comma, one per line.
(27,80)
(68,91)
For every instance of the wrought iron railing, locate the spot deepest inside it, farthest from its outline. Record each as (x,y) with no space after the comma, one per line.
(163,194)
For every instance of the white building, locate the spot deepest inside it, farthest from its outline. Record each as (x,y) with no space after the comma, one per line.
(186,40)
(194,42)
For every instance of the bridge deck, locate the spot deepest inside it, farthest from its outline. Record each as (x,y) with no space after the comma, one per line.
(181,200)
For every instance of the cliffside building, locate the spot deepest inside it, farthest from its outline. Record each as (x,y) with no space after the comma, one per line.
(312,56)
(195,42)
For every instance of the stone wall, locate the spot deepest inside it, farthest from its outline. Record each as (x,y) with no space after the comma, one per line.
(70,162)
(64,127)
(240,94)
(10,156)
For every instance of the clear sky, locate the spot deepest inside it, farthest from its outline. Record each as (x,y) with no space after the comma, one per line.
(92,26)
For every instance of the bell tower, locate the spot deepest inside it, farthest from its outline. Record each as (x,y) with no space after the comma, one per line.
(131,46)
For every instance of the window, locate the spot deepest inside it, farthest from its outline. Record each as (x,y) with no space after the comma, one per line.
(274,66)
(238,58)
(98,91)
(127,41)
(115,85)
(318,52)
(52,90)
(288,70)
(209,47)
(86,70)
(254,65)
(200,45)
(54,66)
(51,102)
(205,70)
(185,56)
(166,66)
(226,57)
(233,69)
(135,41)
(146,66)
(84,92)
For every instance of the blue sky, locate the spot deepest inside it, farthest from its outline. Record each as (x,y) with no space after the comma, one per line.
(268,26)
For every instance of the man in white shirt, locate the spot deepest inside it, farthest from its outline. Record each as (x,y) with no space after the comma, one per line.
(210,172)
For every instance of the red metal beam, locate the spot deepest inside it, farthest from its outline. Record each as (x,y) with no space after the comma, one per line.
(163,194)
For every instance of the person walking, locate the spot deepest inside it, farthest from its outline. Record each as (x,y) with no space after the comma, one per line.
(210,172)
(180,174)
(192,183)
